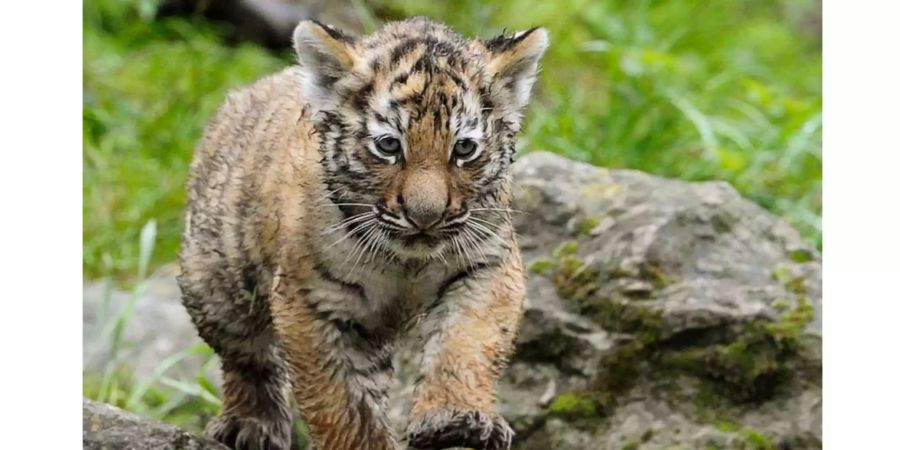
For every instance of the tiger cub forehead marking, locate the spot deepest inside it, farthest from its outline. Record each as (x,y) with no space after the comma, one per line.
(408,87)
(430,111)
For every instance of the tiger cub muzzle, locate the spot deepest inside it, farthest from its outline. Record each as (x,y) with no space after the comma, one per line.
(422,209)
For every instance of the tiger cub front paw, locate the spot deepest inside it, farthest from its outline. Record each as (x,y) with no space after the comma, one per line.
(452,427)
(247,433)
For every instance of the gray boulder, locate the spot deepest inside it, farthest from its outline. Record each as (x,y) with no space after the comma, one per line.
(106,427)
(661,314)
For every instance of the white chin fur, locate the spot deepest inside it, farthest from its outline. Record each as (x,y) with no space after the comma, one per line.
(418,251)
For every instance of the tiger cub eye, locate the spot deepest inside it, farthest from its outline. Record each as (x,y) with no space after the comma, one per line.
(388,146)
(464,148)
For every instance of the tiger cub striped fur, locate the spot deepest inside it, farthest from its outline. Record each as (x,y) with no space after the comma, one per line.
(358,196)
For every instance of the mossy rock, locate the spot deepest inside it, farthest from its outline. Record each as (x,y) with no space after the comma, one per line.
(745,363)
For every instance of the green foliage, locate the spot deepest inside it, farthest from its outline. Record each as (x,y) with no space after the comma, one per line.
(149,87)
(187,403)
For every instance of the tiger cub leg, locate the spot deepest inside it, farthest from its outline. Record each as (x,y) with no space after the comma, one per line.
(343,405)
(468,338)
(256,412)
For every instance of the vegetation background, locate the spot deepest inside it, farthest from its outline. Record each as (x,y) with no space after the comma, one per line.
(690,89)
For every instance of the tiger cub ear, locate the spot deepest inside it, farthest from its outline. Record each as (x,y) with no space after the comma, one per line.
(513,65)
(325,55)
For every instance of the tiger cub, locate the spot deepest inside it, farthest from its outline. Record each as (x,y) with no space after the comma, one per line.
(344,202)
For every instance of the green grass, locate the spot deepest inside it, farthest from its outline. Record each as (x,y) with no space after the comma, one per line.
(149,87)
(695,90)
(186,402)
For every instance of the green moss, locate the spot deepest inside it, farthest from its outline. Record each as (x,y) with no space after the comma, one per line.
(797,285)
(789,328)
(657,276)
(801,256)
(568,248)
(783,274)
(620,370)
(632,445)
(755,362)
(578,282)
(587,224)
(709,404)
(744,370)
(647,435)
(740,365)
(626,316)
(573,278)
(781,305)
(728,427)
(757,441)
(573,404)
(750,438)
(541,266)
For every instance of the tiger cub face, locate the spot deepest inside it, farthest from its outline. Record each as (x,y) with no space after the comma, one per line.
(417,127)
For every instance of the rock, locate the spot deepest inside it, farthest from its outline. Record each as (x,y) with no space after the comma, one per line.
(109,428)
(667,314)
(269,22)
(661,314)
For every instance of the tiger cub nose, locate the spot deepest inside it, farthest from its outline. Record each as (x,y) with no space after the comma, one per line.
(423,217)
(424,200)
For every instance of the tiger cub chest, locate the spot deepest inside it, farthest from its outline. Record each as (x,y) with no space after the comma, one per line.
(375,297)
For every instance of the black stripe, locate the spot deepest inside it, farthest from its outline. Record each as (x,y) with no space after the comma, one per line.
(503,43)
(492,177)
(399,52)
(328,276)
(361,97)
(334,32)
(376,65)
(400,79)
(458,81)
(458,276)
(424,64)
